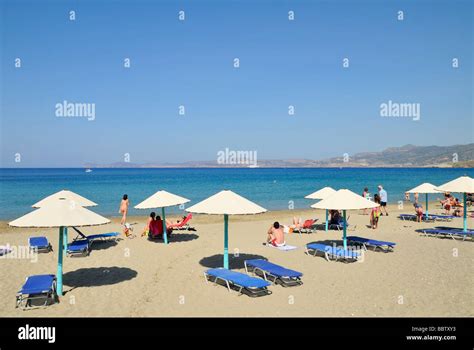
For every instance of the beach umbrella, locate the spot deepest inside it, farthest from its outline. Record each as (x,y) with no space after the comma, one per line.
(345,200)
(69,195)
(65,194)
(162,199)
(464,185)
(226,203)
(425,188)
(321,194)
(61,213)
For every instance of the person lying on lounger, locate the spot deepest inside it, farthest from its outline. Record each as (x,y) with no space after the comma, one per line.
(275,235)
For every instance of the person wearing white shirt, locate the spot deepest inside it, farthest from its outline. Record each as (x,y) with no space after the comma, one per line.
(383,200)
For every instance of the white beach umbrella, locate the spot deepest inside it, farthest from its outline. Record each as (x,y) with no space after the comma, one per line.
(345,200)
(464,185)
(65,194)
(162,199)
(321,194)
(60,213)
(226,203)
(425,188)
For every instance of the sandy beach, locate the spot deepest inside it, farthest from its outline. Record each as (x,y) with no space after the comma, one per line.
(424,276)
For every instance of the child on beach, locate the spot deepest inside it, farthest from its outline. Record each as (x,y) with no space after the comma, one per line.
(124,209)
(375,213)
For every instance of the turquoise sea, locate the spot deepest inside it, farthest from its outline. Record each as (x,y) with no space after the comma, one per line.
(271,188)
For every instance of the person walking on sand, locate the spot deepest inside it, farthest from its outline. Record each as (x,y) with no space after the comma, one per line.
(375,213)
(124,209)
(383,200)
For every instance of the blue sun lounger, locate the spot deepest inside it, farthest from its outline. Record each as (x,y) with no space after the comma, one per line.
(412,217)
(448,233)
(37,287)
(99,236)
(366,242)
(40,244)
(331,252)
(241,282)
(431,217)
(269,271)
(78,248)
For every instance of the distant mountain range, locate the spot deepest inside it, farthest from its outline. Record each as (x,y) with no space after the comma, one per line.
(460,156)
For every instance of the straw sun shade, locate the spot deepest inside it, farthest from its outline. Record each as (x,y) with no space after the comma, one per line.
(345,200)
(226,203)
(65,194)
(60,213)
(464,185)
(162,199)
(321,194)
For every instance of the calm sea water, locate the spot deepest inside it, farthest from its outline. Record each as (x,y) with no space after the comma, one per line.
(271,188)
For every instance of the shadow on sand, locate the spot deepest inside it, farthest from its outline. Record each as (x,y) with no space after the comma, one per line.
(177,238)
(98,276)
(235,262)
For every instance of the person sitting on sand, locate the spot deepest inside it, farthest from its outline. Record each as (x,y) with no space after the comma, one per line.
(156,228)
(418,211)
(446,203)
(275,235)
(146,230)
(375,213)
(459,208)
(124,209)
(335,217)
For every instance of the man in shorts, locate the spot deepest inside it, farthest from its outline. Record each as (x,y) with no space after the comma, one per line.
(383,200)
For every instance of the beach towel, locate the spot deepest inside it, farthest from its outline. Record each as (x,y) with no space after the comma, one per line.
(286,247)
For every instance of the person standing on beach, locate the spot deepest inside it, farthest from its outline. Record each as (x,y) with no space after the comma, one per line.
(383,200)
(366,195)
(124,208)
(375,213)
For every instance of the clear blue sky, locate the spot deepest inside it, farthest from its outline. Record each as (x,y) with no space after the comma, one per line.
(191,63)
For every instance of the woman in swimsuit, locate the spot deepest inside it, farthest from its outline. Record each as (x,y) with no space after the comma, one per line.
(124,209)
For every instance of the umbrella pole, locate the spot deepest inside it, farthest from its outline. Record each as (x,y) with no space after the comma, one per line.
(344,226)
(59,274)
(465,211)
(226,241)
(426,201)
(165,235)
(327,224)
(65,241)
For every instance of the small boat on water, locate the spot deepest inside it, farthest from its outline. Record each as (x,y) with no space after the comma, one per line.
(88,170)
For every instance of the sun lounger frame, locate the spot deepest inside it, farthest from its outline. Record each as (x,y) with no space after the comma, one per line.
(364,245)
(43,249)
(23,301)
(328,255)
(448,233)
(267,276)
(251,292)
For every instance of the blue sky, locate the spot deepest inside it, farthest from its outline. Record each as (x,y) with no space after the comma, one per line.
(190,63)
